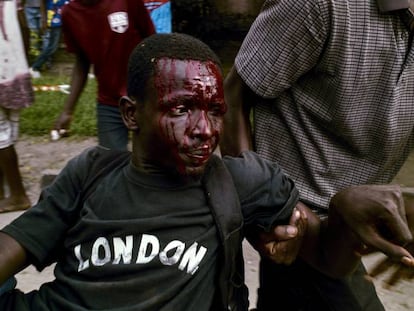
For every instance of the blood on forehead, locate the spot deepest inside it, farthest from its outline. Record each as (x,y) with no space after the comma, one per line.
(201,77)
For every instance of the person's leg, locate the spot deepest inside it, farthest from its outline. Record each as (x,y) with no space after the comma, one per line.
(33,18)
(51,37)
(17,200)
(53,45)
(112,132)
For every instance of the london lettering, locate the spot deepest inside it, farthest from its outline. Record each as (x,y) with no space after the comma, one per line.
(122,252)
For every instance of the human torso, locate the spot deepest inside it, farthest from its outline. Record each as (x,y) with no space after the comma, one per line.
(15,82)
(140,244)
(106,33)
(143,242)
(343,103)
(54,12)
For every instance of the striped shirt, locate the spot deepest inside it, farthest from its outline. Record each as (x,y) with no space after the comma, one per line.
(337,82)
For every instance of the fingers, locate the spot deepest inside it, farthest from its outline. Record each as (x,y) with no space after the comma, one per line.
(283,233)
(295,217)
(286,247)
(395,252)
(283,243)
(396,221)
(283,252)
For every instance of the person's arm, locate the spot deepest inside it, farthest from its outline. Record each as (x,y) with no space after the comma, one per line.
(13,257)
(237,136)
(361,219)
(79,78)
(401,271)
(283,243)
(328,245)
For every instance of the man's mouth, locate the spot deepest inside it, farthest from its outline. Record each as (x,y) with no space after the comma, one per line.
(201,153)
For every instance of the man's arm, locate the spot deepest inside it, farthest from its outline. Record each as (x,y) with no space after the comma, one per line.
(13,257)
(79,78)
(401,271)
(283,244)
(239,98)
(361,219)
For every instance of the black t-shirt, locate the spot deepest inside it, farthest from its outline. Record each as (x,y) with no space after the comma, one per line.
(141,242)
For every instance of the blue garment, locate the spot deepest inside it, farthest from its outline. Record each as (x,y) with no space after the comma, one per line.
(54,12)
(160,12)
(112,132)
(51,37)
(50,44)
(33,17)
(8,285)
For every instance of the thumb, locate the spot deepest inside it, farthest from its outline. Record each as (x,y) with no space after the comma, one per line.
(282,233)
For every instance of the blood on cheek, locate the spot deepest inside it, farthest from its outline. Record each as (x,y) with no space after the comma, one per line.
(200,79)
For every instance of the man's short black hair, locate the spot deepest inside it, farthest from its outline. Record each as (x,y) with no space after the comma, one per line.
(174,45)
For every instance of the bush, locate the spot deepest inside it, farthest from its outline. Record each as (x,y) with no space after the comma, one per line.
(38,119)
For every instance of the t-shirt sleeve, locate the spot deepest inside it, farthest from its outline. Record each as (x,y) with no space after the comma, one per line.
(284,42)
(267,195)
(41,229)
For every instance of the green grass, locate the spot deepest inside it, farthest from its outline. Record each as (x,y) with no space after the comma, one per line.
(38,119)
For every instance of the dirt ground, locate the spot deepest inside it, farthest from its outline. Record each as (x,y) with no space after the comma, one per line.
(39,156)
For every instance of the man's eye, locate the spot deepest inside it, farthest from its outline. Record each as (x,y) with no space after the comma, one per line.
(217,110)
(179,110)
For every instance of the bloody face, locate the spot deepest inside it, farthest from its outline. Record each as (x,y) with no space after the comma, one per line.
(184,115)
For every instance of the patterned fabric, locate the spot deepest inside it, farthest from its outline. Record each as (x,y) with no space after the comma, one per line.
(15,84)
(339,89)
(54,12)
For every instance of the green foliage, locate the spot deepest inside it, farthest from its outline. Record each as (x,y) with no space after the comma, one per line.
(38,119)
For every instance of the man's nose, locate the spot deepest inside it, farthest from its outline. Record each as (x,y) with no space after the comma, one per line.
(202,125)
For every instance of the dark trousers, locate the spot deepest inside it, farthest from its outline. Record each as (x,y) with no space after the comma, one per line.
(299,287)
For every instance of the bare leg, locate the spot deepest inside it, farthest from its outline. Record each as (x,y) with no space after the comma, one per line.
(18,199)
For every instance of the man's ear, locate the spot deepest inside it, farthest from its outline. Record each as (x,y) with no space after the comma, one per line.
(128,108)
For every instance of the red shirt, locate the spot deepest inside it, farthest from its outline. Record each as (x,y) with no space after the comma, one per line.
(106,33)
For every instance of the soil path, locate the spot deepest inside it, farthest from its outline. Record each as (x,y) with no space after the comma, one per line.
(38,156)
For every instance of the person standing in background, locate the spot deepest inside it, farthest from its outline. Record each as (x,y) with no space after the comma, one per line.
(15,93)
(160,228)
(35,23)
(51,36)
(103,33)
(331,87)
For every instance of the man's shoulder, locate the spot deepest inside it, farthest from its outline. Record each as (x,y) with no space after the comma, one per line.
(247,160)
(97,157)
(250,168)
